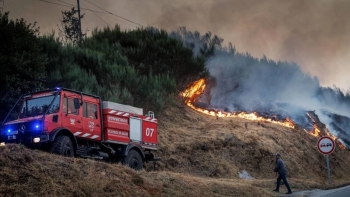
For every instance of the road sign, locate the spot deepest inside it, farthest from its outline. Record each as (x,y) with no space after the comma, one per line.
(325,145)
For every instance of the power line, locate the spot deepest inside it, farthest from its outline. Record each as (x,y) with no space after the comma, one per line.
(100,18)
(71,5)
(66,3)
(114,14)
(55,3)
(94,11)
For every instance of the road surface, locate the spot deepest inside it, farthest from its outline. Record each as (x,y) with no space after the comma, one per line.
(339,192)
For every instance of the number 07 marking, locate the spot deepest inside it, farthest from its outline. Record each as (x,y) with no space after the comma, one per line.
(149,132)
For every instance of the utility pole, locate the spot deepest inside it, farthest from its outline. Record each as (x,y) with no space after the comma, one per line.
(2,6)
(79,17)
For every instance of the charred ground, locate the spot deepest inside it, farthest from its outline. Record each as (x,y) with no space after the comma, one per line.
(201,156)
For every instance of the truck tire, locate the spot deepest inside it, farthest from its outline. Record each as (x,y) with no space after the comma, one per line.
(63,146)
(133,160)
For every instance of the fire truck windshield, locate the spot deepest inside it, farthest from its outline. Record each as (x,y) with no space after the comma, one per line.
(38,106)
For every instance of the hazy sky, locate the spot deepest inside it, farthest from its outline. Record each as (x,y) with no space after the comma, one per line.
(313,33)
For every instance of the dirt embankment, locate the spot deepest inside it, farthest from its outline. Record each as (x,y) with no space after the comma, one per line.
(201,156)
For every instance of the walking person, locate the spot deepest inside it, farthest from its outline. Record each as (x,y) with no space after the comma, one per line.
(281,169)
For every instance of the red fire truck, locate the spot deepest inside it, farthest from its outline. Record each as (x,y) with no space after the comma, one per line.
(73,123)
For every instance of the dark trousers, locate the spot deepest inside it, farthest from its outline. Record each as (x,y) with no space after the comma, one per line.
(283,177)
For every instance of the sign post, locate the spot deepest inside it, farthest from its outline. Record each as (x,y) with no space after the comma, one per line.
(326,146)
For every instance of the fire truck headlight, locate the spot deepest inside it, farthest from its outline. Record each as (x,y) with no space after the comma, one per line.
(36,139)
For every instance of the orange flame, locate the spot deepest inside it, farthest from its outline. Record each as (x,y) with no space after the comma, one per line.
(197,88)
(316,132)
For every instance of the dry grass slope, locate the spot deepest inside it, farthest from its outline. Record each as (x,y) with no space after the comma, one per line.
(206,146)
(201,156)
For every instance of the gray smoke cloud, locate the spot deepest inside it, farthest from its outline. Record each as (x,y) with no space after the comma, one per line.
(276,90)
(312,33)
(245,82)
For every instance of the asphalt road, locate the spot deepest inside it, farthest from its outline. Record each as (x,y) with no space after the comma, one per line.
(339,192)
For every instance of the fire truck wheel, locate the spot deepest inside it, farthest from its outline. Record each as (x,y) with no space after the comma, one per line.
(63,146)
(133,160)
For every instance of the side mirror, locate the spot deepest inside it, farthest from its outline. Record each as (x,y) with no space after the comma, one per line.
(76,103)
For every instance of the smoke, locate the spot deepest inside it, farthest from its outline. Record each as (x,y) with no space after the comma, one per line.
(276,89)
(245,83)
(245,175)
(338,125)
(312,33)
(271,88)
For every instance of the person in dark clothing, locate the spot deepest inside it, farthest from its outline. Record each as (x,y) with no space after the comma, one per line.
(281,169)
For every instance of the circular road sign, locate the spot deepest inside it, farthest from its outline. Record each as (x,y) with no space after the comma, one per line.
(325,145)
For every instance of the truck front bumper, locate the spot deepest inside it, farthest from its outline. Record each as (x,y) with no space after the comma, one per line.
(27,140)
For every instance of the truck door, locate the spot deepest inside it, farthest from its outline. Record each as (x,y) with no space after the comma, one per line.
(71,118)
(135,129)
(91,121)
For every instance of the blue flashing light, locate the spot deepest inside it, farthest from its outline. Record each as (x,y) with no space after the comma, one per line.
(36,126)
(58,88)
(9,130)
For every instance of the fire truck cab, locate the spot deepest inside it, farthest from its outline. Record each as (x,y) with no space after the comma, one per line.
(73,123)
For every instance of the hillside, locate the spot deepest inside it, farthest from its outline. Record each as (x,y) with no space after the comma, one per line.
(201,156)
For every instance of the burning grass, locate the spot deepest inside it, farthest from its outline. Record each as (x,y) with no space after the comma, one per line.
(197,88)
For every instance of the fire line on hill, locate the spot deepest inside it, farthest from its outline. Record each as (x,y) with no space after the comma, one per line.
(197,88)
